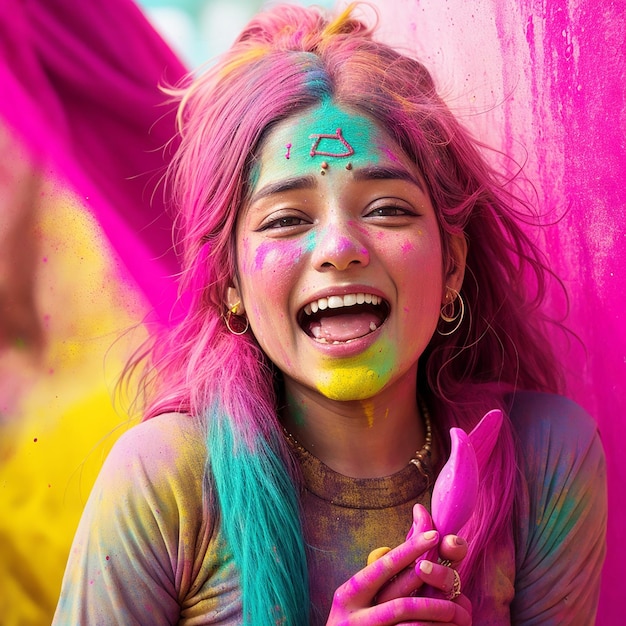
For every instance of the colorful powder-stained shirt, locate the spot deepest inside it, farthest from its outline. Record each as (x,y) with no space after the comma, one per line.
(148,550)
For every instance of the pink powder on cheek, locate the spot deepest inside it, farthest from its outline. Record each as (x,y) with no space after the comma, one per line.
(407,246)
(278,252)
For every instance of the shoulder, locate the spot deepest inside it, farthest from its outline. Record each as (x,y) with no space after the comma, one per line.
(560,525)
(168,448)
(551,419)
(562,466)
(152,479)
(559,446)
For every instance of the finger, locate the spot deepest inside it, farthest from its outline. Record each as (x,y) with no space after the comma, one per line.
(408,610)
(366,583)
(437,576)
(421,521)
(453,548)
(403,585)
(465,602)
(407,581)
(376,554)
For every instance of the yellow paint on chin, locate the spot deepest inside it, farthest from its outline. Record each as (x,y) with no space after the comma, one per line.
(357,378)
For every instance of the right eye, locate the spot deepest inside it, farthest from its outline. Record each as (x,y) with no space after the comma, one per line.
(284,222)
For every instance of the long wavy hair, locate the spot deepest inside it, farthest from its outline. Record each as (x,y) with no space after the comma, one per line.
(285,61)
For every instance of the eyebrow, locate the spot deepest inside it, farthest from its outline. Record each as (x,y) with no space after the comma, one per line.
(383,172)
(288,184)
(368,172)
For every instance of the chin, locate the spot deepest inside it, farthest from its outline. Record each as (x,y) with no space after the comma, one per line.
(352,383)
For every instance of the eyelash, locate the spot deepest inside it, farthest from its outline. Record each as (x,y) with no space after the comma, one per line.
(398,211)
(382,211)
(280,223)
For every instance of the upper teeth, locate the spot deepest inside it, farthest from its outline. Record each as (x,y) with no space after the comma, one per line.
(336,302)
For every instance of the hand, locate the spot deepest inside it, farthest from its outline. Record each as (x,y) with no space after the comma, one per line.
(355,601)
(438,577)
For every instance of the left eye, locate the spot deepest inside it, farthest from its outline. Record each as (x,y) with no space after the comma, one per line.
(389,211)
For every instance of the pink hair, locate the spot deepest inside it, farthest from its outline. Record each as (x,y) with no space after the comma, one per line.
(284,62)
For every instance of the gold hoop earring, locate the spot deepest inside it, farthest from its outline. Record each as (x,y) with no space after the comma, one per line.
(448,314)
(233,311)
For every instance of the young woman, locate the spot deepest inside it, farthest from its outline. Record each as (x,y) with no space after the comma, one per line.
(358,284)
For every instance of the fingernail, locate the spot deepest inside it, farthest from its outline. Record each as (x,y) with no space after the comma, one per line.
(426,567)
(430,534)
(459,541)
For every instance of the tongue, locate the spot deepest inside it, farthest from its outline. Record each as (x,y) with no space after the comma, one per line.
(345,326)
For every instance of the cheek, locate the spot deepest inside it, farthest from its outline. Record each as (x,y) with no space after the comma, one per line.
(267,274)
(418,273)
(269,256)
(410,252)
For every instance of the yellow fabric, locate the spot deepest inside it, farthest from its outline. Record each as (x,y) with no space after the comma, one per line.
(57,419)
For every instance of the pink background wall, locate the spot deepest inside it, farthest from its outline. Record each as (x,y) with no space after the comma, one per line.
(545,81)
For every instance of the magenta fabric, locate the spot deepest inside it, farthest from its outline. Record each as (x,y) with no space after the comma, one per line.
(79,82)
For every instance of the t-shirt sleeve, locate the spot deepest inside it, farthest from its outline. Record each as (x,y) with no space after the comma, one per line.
(128,564)
(561,544)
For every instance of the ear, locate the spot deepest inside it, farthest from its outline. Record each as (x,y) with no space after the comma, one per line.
(456,265)
(233,301)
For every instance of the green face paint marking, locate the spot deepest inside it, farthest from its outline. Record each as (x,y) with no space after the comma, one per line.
(329,132)
(322,135)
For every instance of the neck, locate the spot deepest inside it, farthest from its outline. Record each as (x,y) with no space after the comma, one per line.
(361,439)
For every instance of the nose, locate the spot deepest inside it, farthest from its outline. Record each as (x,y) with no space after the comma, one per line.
(339,246)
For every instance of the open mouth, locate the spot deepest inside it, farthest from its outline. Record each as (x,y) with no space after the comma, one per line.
(341,319)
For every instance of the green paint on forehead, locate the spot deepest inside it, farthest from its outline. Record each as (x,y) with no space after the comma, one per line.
(327,133)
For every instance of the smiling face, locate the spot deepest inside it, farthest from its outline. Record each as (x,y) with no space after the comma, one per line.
(339,256)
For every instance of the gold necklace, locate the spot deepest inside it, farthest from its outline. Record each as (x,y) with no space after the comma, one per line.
(421,460)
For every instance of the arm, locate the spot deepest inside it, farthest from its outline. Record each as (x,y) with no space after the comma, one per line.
(131,559)
(561,544)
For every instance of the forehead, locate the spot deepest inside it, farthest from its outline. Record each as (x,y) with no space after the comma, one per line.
(326,133)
